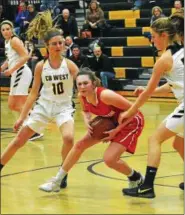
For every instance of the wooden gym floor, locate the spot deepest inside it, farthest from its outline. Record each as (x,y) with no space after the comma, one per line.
(92,188)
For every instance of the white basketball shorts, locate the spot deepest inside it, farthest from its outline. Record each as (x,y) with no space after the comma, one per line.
(20,81)
(46,111)
(175,121)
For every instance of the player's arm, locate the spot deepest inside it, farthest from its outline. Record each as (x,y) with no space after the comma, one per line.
(86,114)
(18,46)
(163,65)
(109,97)
(4,66)
(34,91)
(73,69)
(165,88)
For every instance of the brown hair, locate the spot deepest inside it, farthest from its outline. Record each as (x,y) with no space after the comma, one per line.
(177,19)
(97,5)
(164,25)
(90,74)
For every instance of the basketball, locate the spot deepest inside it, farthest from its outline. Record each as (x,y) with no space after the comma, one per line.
(100,125)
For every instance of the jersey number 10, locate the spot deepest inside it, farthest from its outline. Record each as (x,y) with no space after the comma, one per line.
(58,88)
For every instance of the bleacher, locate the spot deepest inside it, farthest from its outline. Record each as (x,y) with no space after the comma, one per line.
(132,54)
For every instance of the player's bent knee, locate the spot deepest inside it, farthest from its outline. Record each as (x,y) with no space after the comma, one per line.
(68,139)
(109,161)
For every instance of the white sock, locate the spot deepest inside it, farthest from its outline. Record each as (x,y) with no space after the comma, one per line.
(131,173)
(61,174)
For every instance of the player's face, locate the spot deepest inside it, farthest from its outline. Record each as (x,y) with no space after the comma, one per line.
(159,40)
(84,85)
(56,45)
(6,31)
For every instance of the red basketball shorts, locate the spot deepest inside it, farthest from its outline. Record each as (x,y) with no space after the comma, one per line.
(129,134)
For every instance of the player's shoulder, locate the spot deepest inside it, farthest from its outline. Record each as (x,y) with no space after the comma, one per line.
(40,65)
(107,94)
(16,41)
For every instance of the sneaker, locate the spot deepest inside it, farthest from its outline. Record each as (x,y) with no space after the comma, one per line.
(133,184)
(138,192)
(64,182)
(36,136)
(181,186)
(51,186)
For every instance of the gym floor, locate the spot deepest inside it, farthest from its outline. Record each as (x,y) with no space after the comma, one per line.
(92,188)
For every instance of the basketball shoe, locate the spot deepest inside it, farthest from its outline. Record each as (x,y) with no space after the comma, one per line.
(52,185)
(36,136)
(63,183)
(140,192)
(133,184)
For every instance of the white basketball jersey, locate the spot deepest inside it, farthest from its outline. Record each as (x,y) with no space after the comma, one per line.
(57,83)
(11,54)
(175,77)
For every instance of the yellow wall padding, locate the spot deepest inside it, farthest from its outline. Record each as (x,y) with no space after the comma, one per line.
(121,14)
(136,14)
(117,51)
(119,72)
(147,61)
(137,41)
(130,23)
(146,29)
(43,52)
(173,10)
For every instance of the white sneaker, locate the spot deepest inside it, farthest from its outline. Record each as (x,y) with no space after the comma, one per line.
(36,136)
(134,184)
(51,186)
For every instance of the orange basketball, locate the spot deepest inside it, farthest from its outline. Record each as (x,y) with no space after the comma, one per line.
(100,125)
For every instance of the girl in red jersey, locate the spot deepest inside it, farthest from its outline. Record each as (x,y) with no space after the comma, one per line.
(106,103)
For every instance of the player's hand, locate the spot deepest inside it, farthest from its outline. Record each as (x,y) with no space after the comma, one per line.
(111,134)
(89,129)
(18,124)
(7,72)
(138,91)
(123,117)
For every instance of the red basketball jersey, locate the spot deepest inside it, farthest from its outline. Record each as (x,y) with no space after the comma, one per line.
(100,109)
(129,134)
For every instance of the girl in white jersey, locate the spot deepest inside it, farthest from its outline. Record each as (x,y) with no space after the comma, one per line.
(171,66)
(54,104)
(16,67)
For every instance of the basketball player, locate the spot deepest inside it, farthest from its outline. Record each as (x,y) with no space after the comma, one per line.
(16,67)
(102,102)
(54,103)
(170,66)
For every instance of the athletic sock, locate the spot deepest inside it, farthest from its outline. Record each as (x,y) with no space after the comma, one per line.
(134,176)
(61,174)
(149,177)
